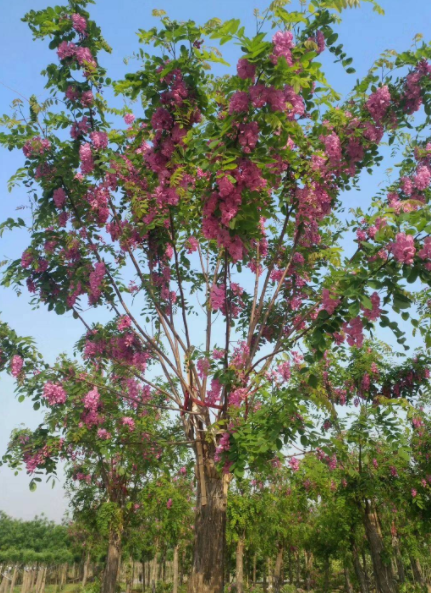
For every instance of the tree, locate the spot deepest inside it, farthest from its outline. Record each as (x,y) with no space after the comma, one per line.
(225,191)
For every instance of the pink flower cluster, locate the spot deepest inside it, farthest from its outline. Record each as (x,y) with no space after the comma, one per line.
(82,55)
(248,136)
(59,197)
(36,146)
(217,297)
(54,394)
(246,69)
(223,445)
(282,46)
(99,139)
(92,400)
(354,332)
(79,23)
(329,304)
(403,249)
(86,157)
(103,434)
(374,313)
(129,422)
(124,323)
(16,365)
(294,464)
(378,103)
(96,279)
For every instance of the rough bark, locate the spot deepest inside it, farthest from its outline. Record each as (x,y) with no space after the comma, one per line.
(383,573)
(85,571)
(347,583)
(360,574)
(278,570)
(210,527)
(110,574)
(175,571)
(240,565)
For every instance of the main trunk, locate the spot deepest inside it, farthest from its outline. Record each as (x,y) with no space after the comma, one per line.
(210,527)
(240,565)
(112,564)
(86,567)
(175,571)
(360,574)
(278,570)
(383,572)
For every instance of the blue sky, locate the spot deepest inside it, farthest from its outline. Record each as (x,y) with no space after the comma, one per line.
(364,34)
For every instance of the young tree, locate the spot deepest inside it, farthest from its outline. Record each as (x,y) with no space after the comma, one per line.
(225,191)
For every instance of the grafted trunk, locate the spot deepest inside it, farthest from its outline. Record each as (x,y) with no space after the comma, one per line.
(308,567)
(278,570)
(383,573)
(110,574)
(360,574)
(210,527)
(240,565)
(175,571)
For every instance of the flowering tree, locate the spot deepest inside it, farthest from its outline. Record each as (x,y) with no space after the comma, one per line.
(210,225)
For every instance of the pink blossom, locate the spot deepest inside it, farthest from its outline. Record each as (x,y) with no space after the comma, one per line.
(329,304)
(403,248)
(169,503)
(129,118)
(26,259)
(99,139)
(414,493)
(333,147)
(245,69)
(85,154)
(248,136)
(71,93)
(239,102)
(91,400)
(87,99)
(129,422)
(124,323)
(79,23)
(217,297)
(354,332)
(36,146)
(96,279)
(374,313)
(283,44)
(54,393)
(422,178)
(191,245)
(66,50)
(84,57)
(162,119)
(59,197)
(16,365)
(378,103)
(213,395)
(294,464)
(218,354)
(103,434)
(425,252)
(203,366)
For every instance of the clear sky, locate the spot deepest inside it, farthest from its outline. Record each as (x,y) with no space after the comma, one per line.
(364,34)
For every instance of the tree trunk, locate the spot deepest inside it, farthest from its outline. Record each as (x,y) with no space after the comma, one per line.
(278,570)
(85,573)
(175,571)
(308,567)
(14,578)
(210,526)
(383,573)
(254,567)
(110,574)
(347,583)
(327,573)
(240,565)
(418,575)
(360,574)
